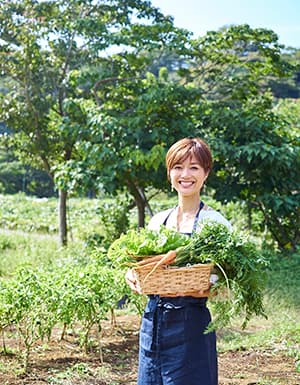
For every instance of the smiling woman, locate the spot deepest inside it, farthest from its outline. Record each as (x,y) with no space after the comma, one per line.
(188,163)
(174,348)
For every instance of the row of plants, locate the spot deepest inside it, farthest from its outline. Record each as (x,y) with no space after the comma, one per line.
(71,295)
(45,287)
(39,215)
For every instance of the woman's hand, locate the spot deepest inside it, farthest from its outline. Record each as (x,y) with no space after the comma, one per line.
(132,281)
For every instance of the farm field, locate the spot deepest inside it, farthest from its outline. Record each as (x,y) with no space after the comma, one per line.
(265,353)
(64,363)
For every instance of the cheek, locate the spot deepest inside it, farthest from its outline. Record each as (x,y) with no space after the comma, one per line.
(171,176)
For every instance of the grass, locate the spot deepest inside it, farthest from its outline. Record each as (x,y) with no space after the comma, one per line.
(281,330)
(40,216)
(32,249)
(23,249)
(78,371)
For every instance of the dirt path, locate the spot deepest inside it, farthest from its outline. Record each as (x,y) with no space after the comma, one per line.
(64,363)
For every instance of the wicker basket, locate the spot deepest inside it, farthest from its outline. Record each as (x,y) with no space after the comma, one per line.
(168,280)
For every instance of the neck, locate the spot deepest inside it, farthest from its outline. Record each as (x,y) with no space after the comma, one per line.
(189,205)
(186,214)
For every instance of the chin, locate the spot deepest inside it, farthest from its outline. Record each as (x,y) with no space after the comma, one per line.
(188,193)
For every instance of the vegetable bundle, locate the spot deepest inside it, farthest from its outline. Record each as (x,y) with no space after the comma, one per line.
(239,265)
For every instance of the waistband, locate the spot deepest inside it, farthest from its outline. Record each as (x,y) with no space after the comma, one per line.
(177,301)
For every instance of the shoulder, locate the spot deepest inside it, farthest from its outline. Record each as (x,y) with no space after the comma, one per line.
(208,214)
(158,219)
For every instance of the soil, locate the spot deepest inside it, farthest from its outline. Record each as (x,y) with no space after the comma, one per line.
(63,362)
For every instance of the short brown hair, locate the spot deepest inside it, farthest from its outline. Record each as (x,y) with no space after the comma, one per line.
(186,147)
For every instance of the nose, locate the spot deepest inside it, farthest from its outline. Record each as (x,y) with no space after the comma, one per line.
(185,172)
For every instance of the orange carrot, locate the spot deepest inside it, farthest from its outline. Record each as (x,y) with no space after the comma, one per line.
(147,260)
(166,260)
(149,264)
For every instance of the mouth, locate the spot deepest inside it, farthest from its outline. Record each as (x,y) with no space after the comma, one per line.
(186,184)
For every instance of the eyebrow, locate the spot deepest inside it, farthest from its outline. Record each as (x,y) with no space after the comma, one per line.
(192,163)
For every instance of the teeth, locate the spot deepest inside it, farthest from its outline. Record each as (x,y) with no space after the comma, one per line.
(186,184)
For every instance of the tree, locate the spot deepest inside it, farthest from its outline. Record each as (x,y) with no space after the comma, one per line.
(254,151)
(15,177)
(290,87)
(257,162)
(222,92)
(45,47)
(132,129)
(233,63)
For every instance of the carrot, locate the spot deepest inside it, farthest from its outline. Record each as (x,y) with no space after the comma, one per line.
(138,266)
(147,260)
(166,260)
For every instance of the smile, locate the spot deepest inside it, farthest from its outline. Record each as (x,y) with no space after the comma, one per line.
(186,183)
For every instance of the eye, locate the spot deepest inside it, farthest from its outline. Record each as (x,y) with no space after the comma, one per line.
(177,167)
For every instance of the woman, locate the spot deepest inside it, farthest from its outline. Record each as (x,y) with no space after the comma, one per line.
(174,350)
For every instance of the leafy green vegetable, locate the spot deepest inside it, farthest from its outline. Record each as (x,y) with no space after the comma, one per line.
(137,244)
(240,266)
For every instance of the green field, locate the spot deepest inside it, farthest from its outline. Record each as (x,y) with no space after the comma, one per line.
(45,288)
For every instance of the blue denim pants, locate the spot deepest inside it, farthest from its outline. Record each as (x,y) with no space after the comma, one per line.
(173,347)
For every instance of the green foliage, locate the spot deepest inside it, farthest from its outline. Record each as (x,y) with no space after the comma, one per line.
(96,121)
(25,304)
(241,266)
(136,244)
(253,158)
(232,64)
(283,279)
(35,300)
(252,148)
(114,217)
(288,88)
(105,215)
(280,331)
(18,212)
(132,130)
(86,294)
(22,249)
(15,177)
(51,52)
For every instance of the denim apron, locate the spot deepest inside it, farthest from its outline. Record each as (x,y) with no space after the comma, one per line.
(173,349)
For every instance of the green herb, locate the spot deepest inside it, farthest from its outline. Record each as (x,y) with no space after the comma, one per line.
(240,266)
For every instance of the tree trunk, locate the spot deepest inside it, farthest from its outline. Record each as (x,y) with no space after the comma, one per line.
(141,210)
(62,217)
(249,215)
(139,199)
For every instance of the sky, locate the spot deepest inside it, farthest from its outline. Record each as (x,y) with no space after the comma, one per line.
(200,16)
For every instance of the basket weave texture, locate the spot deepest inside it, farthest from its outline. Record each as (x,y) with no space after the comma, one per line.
(168,280)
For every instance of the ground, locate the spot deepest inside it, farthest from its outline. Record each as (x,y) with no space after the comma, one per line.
(64,363)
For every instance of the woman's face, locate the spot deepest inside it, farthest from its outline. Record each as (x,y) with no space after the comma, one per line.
(187,177)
